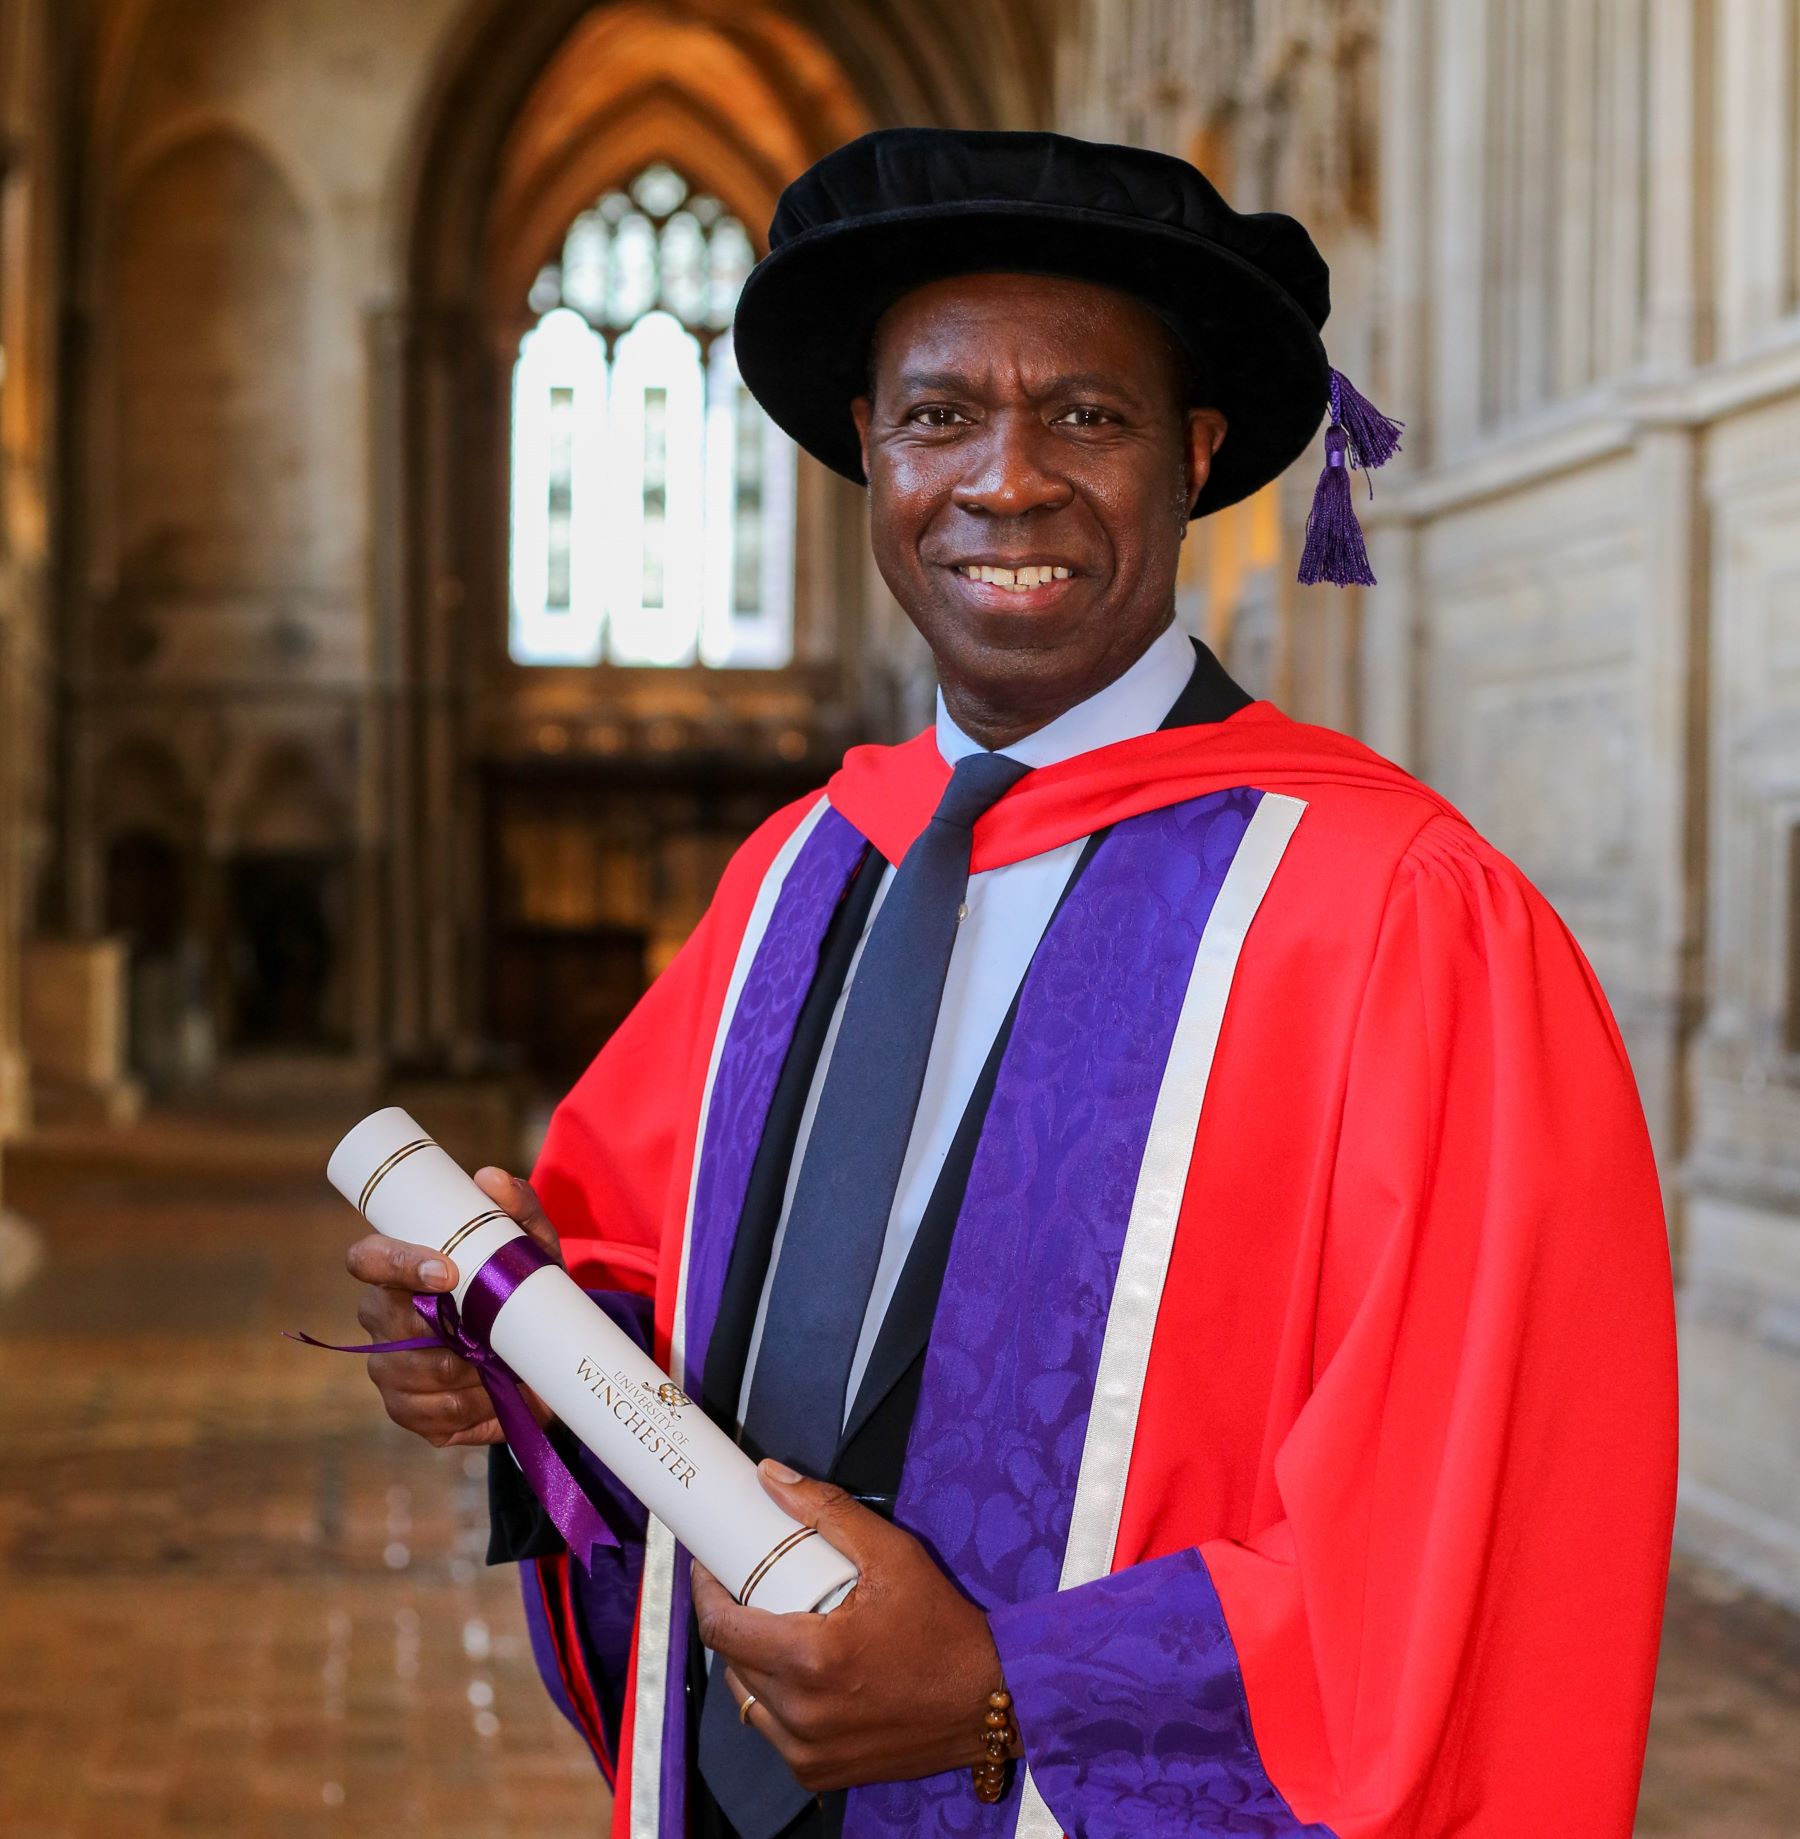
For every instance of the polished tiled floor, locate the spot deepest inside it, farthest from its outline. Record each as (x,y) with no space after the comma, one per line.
(234,1602)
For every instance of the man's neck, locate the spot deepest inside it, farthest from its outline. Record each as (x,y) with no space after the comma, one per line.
(1130,702)
(997,722)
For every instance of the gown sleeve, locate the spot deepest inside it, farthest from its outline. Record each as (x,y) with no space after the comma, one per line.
(1450,1623)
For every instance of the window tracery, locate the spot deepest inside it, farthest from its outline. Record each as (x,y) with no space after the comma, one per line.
(652,500)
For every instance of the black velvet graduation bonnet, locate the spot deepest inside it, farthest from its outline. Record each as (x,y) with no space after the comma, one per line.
(1245,293)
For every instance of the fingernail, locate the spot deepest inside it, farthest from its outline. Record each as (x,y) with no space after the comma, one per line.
(779,1471)
(435,1273)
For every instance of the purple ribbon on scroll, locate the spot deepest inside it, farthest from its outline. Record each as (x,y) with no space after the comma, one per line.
(466,1331)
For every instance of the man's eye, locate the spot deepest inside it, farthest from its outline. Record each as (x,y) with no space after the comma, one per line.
(1083,416)
(937,415)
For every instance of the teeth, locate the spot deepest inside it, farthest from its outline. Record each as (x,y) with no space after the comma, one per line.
(1020,580)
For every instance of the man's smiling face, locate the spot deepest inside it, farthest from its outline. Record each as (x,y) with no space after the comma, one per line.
(1031,459)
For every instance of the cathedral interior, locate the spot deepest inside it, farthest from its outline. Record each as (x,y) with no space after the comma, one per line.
(405,610)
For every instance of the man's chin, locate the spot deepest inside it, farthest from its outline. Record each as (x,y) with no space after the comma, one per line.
(1021,627)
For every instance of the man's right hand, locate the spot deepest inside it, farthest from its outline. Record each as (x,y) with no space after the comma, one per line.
(433,1392)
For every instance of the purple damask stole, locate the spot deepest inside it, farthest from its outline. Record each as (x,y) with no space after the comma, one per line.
(756,1043)
(996,1446)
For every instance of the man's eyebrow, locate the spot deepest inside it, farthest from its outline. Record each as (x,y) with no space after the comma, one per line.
(1095,382)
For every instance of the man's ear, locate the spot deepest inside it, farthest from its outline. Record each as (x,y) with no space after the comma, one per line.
(862,412)
(1206,430)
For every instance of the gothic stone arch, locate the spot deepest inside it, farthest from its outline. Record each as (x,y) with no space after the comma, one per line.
(531,111)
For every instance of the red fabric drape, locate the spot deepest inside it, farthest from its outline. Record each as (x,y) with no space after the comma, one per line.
(1411,1390)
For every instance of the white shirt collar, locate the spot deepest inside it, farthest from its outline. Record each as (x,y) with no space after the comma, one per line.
(1134,703)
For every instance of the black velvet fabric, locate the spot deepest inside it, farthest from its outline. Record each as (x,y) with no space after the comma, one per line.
(1246,293)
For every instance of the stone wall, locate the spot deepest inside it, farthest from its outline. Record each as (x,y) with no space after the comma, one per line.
(1580,286)
(34,128)
(1595,548)
(33,62)
(305,234)
(234,236)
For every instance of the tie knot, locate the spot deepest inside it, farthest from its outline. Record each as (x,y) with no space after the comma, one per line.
(978,782)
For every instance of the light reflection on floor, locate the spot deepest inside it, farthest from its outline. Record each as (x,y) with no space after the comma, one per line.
(234,1600)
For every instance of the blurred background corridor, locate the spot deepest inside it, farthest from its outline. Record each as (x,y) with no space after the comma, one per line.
(404,611)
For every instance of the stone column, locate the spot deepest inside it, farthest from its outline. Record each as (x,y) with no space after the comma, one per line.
(383,998)
(391,978)
(74,1023)
(430,412)
(1756,39)
(1458,164)
(413,765)
(1388,656)
(1679,331)
(35,52)
(1671,878)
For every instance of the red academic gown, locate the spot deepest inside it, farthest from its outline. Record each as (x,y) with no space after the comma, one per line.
(1405,1439)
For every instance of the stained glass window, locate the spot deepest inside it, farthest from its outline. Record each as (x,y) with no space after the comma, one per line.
(652,500)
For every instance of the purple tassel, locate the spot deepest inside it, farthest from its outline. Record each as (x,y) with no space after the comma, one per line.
(1334,548)
(1359,435)
(1374,437)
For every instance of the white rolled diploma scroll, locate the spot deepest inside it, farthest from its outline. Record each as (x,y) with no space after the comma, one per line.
(597,1380)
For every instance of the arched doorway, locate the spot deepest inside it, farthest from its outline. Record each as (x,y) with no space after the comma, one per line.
(287,897)
(557,811)
(153,893)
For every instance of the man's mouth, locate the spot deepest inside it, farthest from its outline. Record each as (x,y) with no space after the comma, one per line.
(1018,580)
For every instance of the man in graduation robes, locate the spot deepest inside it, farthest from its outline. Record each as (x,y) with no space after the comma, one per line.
(1168,1197)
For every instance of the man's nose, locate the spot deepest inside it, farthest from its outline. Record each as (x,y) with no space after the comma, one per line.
(1012,470)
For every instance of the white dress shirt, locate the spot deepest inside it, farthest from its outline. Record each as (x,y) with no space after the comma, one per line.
(1004,915)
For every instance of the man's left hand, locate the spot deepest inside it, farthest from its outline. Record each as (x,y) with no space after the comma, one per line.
(891,1685)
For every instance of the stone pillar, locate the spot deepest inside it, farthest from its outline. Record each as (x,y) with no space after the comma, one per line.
(1679,330)
(36,52)
(413,773)
(1756,238)
(1671,880)
(1459,167)
(74,1026)
(392,982)
(430,410)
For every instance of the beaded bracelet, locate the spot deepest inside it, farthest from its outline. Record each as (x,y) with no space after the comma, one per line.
(999,1732)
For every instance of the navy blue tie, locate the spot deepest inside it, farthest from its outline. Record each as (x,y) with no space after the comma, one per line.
(838,1221)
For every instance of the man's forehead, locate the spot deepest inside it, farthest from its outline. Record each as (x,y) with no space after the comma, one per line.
(953,299)
(975,324)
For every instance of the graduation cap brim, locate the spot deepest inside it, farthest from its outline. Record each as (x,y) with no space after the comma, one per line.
(808,312)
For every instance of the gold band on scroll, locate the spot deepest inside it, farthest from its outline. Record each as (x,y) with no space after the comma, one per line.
(768,1564)
(391,1163)
(468,1226)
